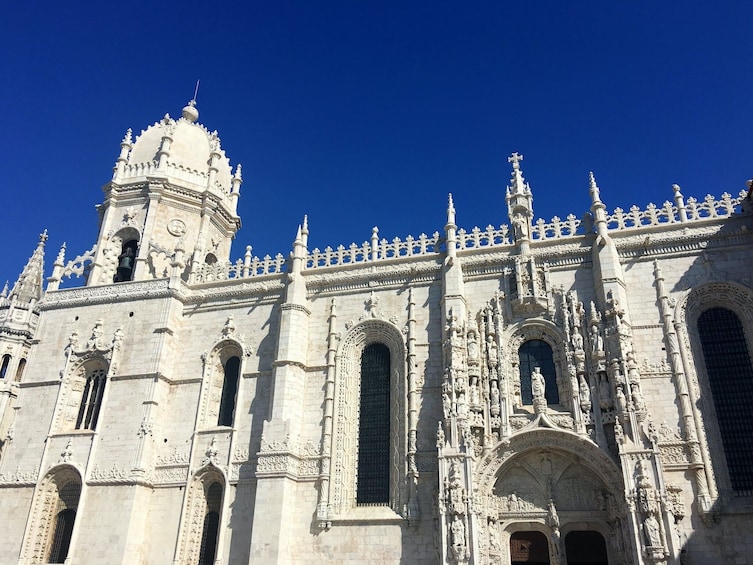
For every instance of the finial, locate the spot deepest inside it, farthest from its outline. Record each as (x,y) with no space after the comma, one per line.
(61,255)
(450,210)
(128,137)
(238,175)
(4,293)
(189,112)
(515,159)
(593,188)
(676,188)
(43,237)
(305,223)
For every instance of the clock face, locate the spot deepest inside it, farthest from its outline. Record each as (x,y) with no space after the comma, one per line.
(176,227)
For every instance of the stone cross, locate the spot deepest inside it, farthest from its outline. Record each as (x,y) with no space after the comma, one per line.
(515,158)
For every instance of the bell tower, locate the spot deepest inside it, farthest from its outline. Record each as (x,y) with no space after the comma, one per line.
(172,188)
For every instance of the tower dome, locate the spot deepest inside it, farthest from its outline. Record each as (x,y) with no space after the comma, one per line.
(183,148)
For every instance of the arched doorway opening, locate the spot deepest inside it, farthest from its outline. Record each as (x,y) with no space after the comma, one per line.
(529,548)
(586,548)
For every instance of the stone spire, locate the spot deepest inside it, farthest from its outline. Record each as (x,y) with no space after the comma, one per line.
(28,287)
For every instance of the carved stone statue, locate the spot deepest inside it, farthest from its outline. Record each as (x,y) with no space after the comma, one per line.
(458,532)
(652,531)
(537,383)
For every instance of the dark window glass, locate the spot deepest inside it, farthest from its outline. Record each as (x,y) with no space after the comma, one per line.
(728,366)
(61,539)
(210,531)
(537,353)
(4,367)
(229,391)
(91,400)
(529,548)
(209,538)
(374,427)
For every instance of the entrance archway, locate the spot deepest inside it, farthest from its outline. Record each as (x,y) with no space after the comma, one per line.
(586,548)
(529,548)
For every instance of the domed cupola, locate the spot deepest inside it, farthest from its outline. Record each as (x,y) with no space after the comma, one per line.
(171,187)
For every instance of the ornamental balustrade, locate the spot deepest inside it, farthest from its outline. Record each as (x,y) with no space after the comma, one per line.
(681,212)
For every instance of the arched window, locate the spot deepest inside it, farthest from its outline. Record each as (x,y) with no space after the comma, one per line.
(229,391)
(65,516)
(586,548)
(20,370)
(4,366)
(210,530)
(91,400)
(537,353)
(374,427)
(126,261)
(730,374)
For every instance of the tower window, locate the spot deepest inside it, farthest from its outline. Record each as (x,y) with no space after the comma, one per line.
(537,353)
(229,391)
(374,426)
(4,366)
(20,370)
(126,261)
(728,366)
(91,400)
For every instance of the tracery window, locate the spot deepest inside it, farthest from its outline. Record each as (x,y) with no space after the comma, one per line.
(730,375)
(537,353)
(4,366)
(91,400)
(374,427)
(229,391)
(202,514)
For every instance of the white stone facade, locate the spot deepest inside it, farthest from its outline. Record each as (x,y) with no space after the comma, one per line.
(200,407)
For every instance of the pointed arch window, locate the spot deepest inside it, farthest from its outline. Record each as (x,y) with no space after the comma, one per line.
(730,374)
(91,400)
(210,530)
(537,353)
(374,427)
(229,391)
(4,366)
(65,517)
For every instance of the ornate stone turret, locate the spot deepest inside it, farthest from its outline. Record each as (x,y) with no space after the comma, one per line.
(172,184)
(519,205)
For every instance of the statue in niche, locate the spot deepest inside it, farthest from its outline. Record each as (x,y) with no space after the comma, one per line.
(584,394)
(652,531)
(637,398)
(538,385)
(446,405)
(621,401)
(577,340)
(495,400)
(472,348)
(597,344)
(458,533)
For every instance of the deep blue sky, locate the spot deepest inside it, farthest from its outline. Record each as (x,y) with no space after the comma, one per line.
(369,113)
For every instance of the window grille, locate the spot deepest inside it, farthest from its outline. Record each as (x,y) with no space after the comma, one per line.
(537,353)
(64,520)
(229,391)
(91,400)
(210,531)
(374,427)
(730,374)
